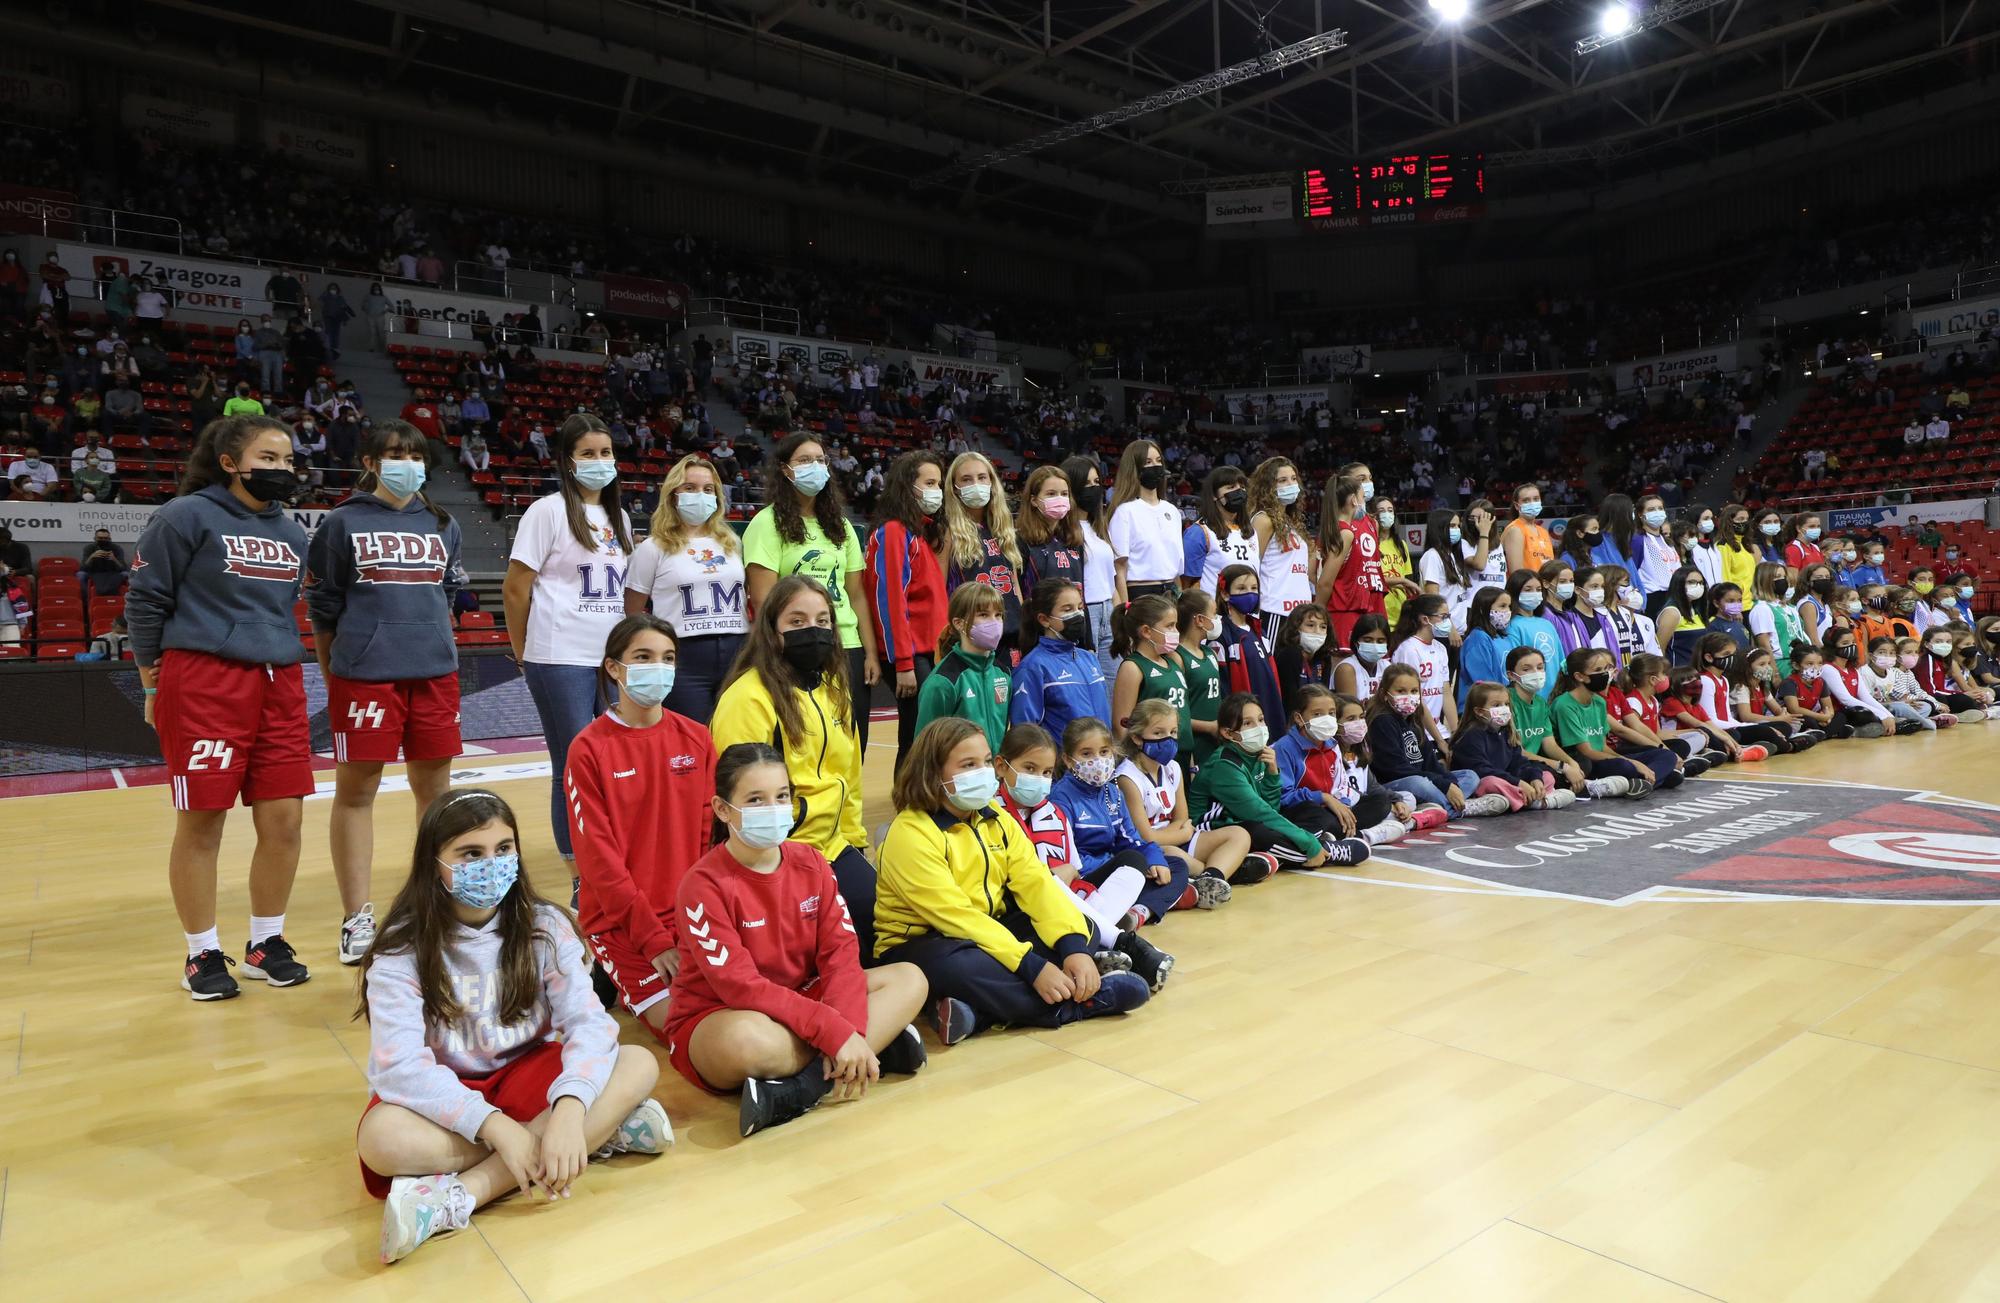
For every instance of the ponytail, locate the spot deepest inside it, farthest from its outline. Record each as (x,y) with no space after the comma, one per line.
(225,436)
(1134,616)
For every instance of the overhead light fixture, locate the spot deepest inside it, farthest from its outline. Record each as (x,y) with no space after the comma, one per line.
(1623,18)
(1451,11)
(1616,21)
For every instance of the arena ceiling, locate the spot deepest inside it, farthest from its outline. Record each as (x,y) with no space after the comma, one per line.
(878,94)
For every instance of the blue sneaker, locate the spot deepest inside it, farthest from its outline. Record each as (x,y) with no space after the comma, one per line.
(1117,993)
(952,1020)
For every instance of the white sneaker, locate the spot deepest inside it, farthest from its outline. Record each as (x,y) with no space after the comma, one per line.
(357,933)
(646,1131)
(1387,831)
(1993,711)
(1558,799)
(1484,807)
(1607,786)
(419,1208)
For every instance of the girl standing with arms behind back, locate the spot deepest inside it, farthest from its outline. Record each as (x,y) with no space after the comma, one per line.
(1145,528)
(380,578)
(1350,571)
(690,568)
(907,581)
(1284,548)
(214,577)
(565,592)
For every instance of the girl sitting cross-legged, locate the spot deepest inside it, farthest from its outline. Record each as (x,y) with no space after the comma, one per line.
(1323,766)
(1239,785)
(1486,745)
(1154,789)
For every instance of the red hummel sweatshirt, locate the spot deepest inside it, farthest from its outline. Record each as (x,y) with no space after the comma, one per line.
(780,943)
(638,816)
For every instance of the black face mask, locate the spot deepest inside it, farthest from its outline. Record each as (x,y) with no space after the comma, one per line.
(1593,538)
(1848,651)
(1089,498)
(1723,663)
(1235,500)
(807,651)
(1822,587)
(1597,682)
(1076,628)
(272,484)
(1152,477)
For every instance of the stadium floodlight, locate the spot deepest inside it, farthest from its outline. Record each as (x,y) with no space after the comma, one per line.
(1451,11)
(1621,20)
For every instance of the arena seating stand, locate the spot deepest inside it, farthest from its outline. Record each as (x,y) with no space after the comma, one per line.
(1868,440)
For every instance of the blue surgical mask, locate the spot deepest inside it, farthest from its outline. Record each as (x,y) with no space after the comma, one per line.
(649,684)
(1965,591)
(1565,591)
(810,478)
(1770,528)
(1530,510)
(1455,534)
(1528,600)
(1368,490)
(763,826)
(402,478)
(695,508)
(1442,628)
(1029,790)
(595,474)
(974,789)
(1288,493)
(1812,533)
(1370,652)
(484,883)
(1655,519)
(1162,751)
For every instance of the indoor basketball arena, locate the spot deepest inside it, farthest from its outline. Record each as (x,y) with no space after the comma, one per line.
(978,649)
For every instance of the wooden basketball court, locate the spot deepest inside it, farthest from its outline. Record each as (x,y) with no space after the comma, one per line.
(1395,1083)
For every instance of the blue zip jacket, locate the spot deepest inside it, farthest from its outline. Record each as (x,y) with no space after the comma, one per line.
(1056,683)
(1863,574)
(1482,658)
(1534,631)
(1292,750)
(1102,823)
(1606,553)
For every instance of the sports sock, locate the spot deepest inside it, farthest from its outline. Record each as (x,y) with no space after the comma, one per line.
(200,941)
(262,929)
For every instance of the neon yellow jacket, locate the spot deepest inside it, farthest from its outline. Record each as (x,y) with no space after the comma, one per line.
(825,763)
(954,876)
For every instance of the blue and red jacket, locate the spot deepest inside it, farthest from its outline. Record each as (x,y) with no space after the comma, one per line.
(1251,668)
(909,594)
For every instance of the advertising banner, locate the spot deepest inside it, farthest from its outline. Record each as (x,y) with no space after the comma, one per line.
(36,93)
(1841,518)
(335,143)
(435,312)
(78,522)
(1268,204)
(1956,318)
(824,357)
(1256,403)
(34,210)
(206,124)
(829,357)
(638,296)
(196,282)
(1673,368)
(969,372)
(1339,360)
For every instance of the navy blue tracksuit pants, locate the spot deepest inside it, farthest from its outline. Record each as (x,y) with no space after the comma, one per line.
(961,970)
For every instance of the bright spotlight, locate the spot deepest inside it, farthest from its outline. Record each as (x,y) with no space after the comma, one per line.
(1616,21)
(1451,11)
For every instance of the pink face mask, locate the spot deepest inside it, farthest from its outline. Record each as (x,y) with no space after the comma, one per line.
(1501,716)
(1055,508)
(1908,660)
(985,634)
(1405,703)
(1354,732)
(1172,640)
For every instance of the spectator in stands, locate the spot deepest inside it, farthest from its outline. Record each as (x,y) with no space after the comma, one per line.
(55,289)
(121,365)
(13,556)
(376,308)
(472,451)
(13,285)
(1938,430)
(320,400)
(334,312)
(305,347)
(92,452)
(40,476)
(1913,433)
(473,413)
(152,359)
(116,291)
(149,305)
(1958,402)
(430,267)
(80,371)
(1813,464)
(125,410)
(286,294)
(21,488)
(94,483)
(241,403)
(267,347)
(104,565)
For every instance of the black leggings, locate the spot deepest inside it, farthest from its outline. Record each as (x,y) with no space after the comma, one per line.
(1653,765)
(906,710)
(864,696)
(1371,808)
(1957,702)
(856,877)
(1769,736)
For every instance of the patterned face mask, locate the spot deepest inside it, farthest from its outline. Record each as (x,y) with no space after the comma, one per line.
(484,883)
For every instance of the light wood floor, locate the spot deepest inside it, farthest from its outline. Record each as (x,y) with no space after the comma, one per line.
(1348,1091)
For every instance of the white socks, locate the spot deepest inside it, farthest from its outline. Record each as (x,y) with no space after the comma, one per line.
(262,929)
(1107,905)
(200,941)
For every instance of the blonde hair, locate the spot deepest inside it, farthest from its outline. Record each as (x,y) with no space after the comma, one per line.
(962,531)
(1288,524)
(669,531)
(1125,488)
(968,602)
(1145,714)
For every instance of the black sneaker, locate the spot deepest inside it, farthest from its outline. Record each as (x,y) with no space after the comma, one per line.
(774,1101)
(1694,766)
(206,978)
(1345,850)
(1256,867)
(1905,728)
(905,1054)
(1111,961)
(1148,960)
(1120,993)
(952,1020)
(272,960)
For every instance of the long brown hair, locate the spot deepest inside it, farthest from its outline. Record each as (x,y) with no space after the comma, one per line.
(968,602)
(225,436)
(669,531)
(390,436)
(1032,526)
(571,434)
(421,919)
(763,654)
(899,497)
(1126,487)
(829,508)
(1337,489)
(1288,523)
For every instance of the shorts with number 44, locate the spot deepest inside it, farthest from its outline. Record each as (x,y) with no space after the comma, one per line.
(373,721)
(231,730)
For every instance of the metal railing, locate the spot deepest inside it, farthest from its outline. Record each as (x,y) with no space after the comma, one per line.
(121,228)
(1980,488)
(432,328)
(774,317)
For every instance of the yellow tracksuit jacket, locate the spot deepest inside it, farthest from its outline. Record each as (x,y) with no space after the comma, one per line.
(824,764)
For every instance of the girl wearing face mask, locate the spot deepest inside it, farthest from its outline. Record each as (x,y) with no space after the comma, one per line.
(1350,583)
(1485,744)
(1813,607)
(477,974)
(1049,529)
(1742,548)
(1404,752)
(1221,535)
(1704,553)
(1726,613)
(1240,786)
(382,572)
(1482,656)
(1954,600)
(1359,674)
(1806,697)
(1623,545)
(968,681)
(1100,569)
(1945,671)
(1923,585)
(1397,586)
(1754,699)
(1583,727)
(1304,650)
(966,898)
(1684,619)
(1530,626)
(1802,535)
(980,543)
(1633,631)
(1108,833)
(565,592)
(1632,704)
(217,650)
(1445,568)
(791,682)
(1656,553)
(1534,724)
(1864,565)
(805,531)
(784,1012)
(1028,770)
(1146,634)
(1580,536)
(907,594)
(1421,641)
(1245,655)
(1197,660)
(1323,770)
(1716,657)
(689,570)
(1527,543)
(1152,783)
(1145,526)
(633,783)
(1584,620)
(1284,547)
(1058,679)
(1893,686)
(1844,681)
(1773,623)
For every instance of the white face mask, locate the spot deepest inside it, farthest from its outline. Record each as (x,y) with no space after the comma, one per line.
(1312,642)
(1255,738)
(1323,728)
